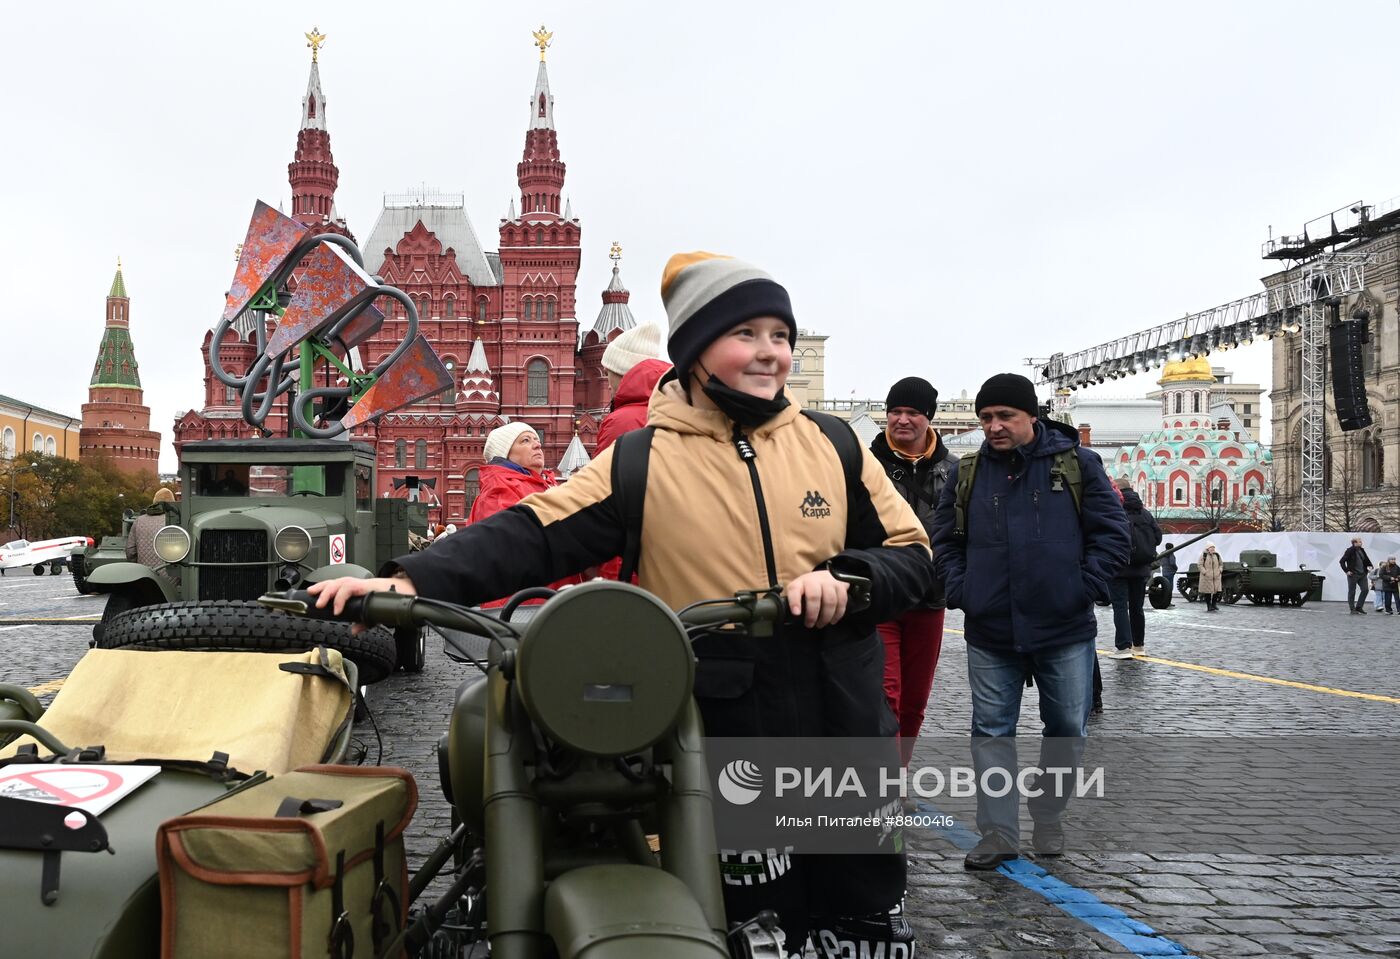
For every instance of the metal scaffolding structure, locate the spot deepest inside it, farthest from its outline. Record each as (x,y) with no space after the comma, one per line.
(1293,305)
(1314,375)
(1278,309)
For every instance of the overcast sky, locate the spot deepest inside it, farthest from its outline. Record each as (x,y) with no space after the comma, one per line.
(944,188)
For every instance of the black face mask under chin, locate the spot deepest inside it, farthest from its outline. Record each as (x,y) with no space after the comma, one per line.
(744,409)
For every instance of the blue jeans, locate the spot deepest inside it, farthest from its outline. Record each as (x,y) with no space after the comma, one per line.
(1064,677)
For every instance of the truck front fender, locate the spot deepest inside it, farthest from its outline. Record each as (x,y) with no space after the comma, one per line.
(336,571)
(114,575)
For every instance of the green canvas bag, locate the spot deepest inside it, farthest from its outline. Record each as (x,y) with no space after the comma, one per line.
(307,864)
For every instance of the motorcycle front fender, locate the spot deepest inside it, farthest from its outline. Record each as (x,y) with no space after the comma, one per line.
(613,911)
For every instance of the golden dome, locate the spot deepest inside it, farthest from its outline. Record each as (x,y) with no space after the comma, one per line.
(1192,370)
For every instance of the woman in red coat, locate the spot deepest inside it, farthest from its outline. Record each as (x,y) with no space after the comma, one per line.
(633,371)
(630,399)
(514,469)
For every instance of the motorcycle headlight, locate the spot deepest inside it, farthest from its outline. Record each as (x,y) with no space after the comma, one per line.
(172,544)
(292,544)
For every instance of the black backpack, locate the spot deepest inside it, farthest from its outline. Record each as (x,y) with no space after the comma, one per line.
(1144,545)
(632,456)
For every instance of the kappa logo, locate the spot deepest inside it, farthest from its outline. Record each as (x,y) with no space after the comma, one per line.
(815,506)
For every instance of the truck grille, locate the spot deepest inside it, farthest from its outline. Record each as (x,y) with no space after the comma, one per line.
(233,546)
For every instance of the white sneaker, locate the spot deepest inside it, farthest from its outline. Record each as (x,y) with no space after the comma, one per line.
(1140,650)
(1121,654)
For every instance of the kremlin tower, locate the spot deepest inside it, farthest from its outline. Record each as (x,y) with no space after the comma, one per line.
(116,425)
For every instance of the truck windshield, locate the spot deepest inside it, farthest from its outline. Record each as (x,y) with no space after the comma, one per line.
(282,479)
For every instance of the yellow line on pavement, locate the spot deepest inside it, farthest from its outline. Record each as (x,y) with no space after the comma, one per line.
(52,686)
(1232,674)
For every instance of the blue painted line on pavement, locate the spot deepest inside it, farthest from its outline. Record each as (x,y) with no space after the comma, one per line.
(1138,937)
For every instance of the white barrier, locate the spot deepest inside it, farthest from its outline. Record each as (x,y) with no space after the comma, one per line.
(1320,552)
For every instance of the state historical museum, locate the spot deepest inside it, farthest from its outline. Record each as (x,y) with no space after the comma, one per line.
(504,323)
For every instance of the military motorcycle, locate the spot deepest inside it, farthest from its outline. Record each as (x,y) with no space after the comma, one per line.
(574,764)
(576,772)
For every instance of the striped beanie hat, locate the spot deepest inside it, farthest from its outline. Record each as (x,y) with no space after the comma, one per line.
(706,294)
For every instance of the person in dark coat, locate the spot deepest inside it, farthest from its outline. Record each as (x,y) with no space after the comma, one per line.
(1390,585)
(1167,566)
(918,464)
(1357,565)
(1129,587)
(1025,569)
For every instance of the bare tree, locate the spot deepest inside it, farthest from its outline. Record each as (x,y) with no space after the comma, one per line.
(1276,512)
(1341,500)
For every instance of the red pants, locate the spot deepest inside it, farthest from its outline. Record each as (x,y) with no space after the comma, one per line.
(912,643)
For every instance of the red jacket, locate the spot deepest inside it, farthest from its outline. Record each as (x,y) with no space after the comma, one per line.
(501,488)
(629,405)
(629,412)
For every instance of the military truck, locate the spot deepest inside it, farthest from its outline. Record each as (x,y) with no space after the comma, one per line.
(109,549)
(256,516)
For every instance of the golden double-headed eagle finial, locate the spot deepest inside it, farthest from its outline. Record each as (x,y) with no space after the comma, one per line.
(615,253)
(542,38)
(314,40)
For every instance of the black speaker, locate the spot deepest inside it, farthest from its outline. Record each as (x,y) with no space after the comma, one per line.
(1347,339)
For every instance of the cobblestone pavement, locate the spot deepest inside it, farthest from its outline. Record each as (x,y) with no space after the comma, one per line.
(1200,902)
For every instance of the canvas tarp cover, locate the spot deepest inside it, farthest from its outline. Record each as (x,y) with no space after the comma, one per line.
(187,706)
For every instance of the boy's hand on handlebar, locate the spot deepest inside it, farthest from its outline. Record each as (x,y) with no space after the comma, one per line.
(818,597)
(334,592)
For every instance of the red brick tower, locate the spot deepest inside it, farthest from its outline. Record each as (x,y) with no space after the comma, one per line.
(539,266)
(313,173)
(115,423)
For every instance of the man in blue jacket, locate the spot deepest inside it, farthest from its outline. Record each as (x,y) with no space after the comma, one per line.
(1025,549)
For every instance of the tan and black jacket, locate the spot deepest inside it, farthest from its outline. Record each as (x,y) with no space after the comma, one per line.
(714,522)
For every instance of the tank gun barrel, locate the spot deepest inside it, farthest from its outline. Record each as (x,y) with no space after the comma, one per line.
(1189,542)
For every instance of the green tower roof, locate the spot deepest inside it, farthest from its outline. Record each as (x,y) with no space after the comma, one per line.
(118,284)
(116,357)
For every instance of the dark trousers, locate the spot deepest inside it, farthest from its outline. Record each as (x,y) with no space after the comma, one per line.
(1211,600)
(801,683)
(1129,627)
(1357,588)
(1392,591)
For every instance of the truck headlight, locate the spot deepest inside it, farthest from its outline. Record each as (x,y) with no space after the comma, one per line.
(172,544)
(292,543)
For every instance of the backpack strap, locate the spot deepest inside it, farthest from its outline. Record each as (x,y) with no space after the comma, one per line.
(1068,470)
(840,435)
(967,472)
(631,458)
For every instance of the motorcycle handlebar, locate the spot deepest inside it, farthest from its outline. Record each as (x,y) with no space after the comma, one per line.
(402,609)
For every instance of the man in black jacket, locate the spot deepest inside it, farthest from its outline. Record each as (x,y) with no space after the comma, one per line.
(918,464)
(1357,565)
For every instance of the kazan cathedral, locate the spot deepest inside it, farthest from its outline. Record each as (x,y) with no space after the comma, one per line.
(1203,464)
(503,321)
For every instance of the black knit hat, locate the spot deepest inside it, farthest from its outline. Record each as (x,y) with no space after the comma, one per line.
(1008,389)
(914,392)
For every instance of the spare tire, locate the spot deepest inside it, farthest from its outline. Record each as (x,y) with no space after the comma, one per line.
(241,626)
